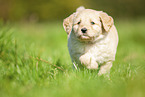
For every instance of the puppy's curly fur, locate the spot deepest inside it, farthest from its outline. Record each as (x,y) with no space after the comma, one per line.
(92,39)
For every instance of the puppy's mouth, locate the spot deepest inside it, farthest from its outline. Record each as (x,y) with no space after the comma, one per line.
(85,38)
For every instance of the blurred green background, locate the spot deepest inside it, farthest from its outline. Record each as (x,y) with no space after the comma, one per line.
(33,42)
(49,10)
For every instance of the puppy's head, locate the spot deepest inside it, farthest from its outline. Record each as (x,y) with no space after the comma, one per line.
(87,24)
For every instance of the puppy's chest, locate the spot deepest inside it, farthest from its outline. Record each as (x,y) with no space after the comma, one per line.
(99,51)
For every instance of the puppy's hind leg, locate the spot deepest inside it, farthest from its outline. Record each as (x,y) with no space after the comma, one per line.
(105,68)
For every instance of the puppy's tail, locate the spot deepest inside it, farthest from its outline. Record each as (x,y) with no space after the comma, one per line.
(81,8)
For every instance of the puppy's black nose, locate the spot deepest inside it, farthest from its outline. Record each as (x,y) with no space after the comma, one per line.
(84,30)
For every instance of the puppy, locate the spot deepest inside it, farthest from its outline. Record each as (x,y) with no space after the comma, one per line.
(92,39)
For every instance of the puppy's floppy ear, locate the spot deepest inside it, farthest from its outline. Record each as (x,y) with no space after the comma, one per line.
(67,23)
(107,21)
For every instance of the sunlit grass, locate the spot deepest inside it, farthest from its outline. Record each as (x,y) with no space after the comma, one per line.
(31,56)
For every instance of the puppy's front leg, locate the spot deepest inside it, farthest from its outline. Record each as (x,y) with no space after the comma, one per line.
(88,61)
(105,68)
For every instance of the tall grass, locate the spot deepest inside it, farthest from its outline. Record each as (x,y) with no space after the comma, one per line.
(34,62)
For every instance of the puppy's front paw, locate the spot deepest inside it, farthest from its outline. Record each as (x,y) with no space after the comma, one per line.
(93,65)
(88,61)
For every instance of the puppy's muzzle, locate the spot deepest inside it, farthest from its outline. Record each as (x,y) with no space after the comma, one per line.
(84,30)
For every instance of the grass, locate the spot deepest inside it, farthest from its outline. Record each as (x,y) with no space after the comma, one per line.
(34,62)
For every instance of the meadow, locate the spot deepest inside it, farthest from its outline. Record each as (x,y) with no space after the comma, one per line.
(34,62)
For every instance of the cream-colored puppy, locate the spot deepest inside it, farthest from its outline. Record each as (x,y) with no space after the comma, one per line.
(92,39)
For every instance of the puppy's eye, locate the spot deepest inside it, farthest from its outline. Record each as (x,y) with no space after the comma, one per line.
(78,23)
(92,23)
